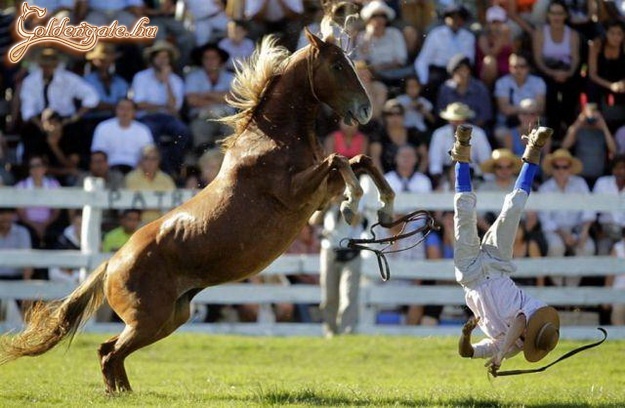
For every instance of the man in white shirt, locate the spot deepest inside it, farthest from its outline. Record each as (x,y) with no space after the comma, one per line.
(440,45)
(456,114)
(122,138)
(613,222)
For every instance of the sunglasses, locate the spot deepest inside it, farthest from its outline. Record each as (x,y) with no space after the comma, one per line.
(565,167)
(393,113)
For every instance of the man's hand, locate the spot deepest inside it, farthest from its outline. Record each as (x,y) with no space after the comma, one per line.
(470,325)
(494,364)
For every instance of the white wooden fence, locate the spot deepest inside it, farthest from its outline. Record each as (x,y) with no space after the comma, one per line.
(375,294)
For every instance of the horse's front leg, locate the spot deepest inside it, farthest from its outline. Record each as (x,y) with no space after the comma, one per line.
(386,195)
(306,182)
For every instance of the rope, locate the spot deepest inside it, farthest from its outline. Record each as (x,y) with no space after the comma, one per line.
(362,243)
(564,357)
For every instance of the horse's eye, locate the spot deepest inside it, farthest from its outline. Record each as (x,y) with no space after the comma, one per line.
(337,66)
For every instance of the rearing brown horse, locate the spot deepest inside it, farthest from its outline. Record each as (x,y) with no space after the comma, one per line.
(274,176)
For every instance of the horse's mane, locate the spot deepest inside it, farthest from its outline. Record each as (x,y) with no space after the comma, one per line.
(250,83)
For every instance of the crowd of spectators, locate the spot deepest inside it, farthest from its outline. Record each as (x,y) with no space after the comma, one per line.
(140,115)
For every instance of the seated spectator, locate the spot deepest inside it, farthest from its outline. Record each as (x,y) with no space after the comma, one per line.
(617,317)
(525,246)
(394,135)
(122,138)
(54,87)
(378,94)
(209,20)
(418,111)
(209,164)
(611,223)
(279,17)
(456,114)
(606,70)
(513,88)
(55,8)
(162,14)
(619,138)
(149,176)
(405,176)
(205,92)
(129,223)
(494,46)
(61,154)
(68,240)
(238,46)
(441,44)
(463,87)
(42,221)
(111,88)
(347,141)
(159,95)
(383,47)
(567,232)
(103,12)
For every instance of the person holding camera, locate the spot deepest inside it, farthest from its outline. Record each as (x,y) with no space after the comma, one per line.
(591,141)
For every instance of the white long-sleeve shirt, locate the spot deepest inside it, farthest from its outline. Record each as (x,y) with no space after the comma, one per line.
(607,185)
(442,142)
(553,220)
(440,45)
(147,88)
(64,88)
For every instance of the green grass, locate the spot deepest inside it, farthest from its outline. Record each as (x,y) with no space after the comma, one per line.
(187,370)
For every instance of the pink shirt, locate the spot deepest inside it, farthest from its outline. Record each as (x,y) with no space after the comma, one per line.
(38,214)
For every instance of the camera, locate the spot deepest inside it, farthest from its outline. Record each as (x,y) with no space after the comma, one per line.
(591,120)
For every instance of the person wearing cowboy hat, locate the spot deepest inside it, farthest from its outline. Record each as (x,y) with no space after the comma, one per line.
(111,87)
(205,92)
(382,46)
(512,320)
(456,114)
(463,87)
(159,95)
(566,232)
(441,44)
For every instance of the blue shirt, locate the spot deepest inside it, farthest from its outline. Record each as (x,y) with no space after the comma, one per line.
(477,98)
(117,91)
(198,82)
(114,5)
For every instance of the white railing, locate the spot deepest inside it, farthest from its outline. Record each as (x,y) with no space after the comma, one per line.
(374,293)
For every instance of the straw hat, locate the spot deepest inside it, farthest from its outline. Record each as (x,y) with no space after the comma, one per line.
(102,50)
(499,155)
(562,154)
(159,46)
(542,334)
(457,111)
(48,56)
(377,7)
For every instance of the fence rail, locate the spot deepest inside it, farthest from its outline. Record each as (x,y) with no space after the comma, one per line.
(93,199)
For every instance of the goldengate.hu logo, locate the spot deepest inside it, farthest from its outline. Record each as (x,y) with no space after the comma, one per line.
(79,38)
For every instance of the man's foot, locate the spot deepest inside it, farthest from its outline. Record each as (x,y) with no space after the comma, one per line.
(536,140)
(461,151)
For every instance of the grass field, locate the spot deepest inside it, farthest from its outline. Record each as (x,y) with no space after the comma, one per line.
(188,370)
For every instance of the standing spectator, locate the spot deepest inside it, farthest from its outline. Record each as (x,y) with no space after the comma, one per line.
(54,87)
(340,271)
(122,138)
(159,95)
(149,176)
(611,223)
(456,114)
(463,87)
(238,46)
(606,70)
(347,141)
(617,317)
(494,46)
(279,17)
(556,54)
(440,45)
(129,223)
(205,91)
(591,141)
(383,47)
(567,232)
(513,88)
(418,113)
(209,19)
(40,220)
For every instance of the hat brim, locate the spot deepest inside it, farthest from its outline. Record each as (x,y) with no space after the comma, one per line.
(453,116)
(488,166)
(542,316)
(173,53)
(576,164)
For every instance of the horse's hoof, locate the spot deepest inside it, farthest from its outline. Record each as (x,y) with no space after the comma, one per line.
(384,218)
(348,214)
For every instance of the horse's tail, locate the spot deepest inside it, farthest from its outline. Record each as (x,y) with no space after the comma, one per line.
(48,323)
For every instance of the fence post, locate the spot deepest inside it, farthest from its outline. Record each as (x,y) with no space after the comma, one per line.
(91,225)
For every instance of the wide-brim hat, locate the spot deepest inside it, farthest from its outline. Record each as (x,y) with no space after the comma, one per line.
(48,56)
(159,46)
(102,50)
(198,52)
(528,105)
(499,155)
(542,334)
(376,7)
(457,111)
(562,154)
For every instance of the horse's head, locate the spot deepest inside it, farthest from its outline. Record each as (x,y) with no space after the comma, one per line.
(334,81)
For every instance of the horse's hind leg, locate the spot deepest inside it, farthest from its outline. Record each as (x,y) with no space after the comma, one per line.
(386,195)
(107,372)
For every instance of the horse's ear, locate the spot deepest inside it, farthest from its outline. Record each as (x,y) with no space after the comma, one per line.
(313,39)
